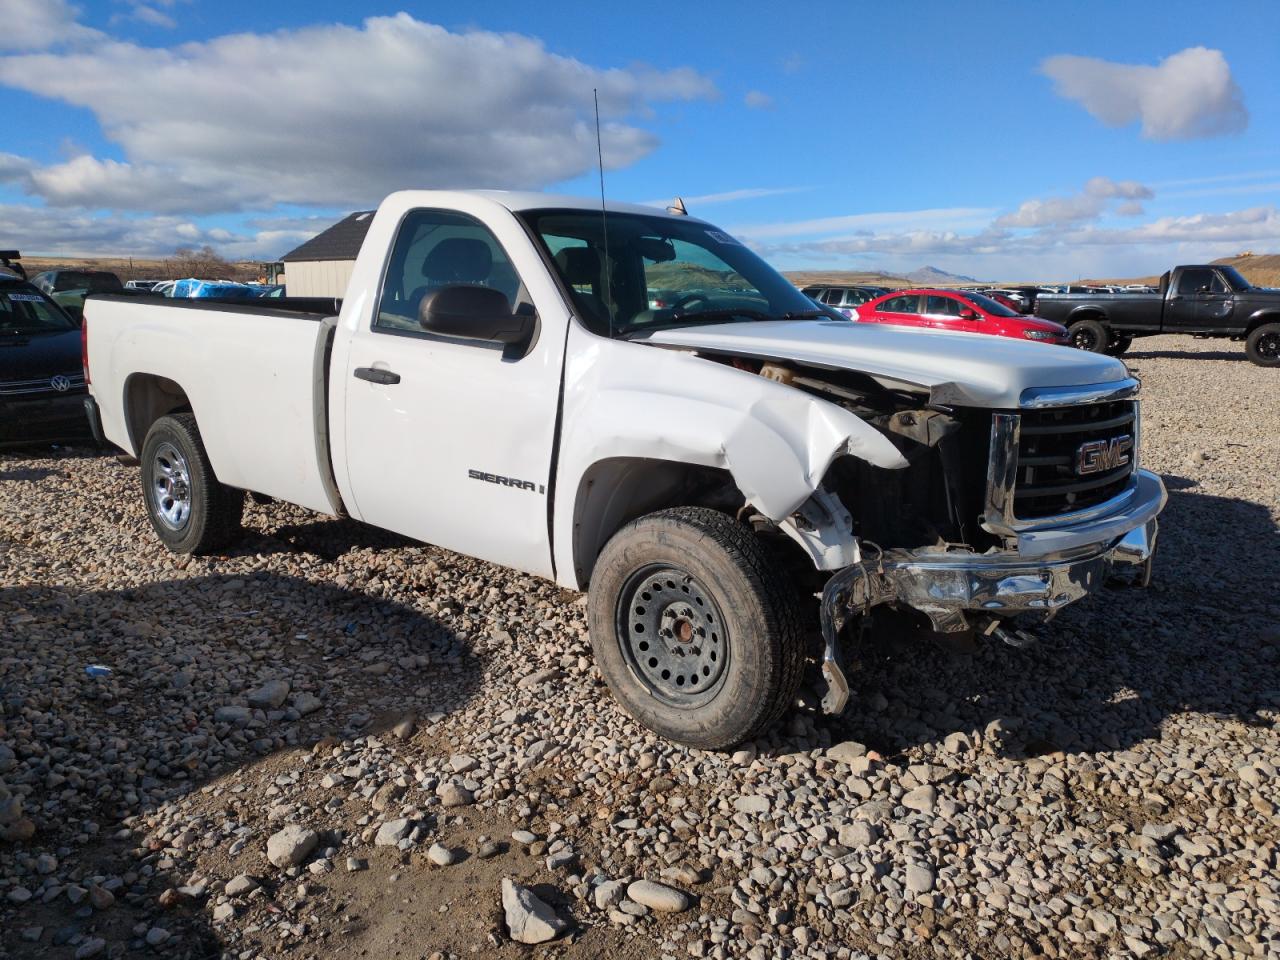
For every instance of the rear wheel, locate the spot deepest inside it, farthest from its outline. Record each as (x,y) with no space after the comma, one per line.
(696,631)
(1263,345)
(189,509)
(1089,335)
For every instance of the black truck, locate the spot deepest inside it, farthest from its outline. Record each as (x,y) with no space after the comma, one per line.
(1203,299)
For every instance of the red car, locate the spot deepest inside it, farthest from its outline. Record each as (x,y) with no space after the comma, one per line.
(958,310)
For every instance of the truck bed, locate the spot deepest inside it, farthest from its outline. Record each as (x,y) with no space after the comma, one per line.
(1124,311)
(232,363)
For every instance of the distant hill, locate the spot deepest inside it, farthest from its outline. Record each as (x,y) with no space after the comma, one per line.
(933,277)
(1260,269)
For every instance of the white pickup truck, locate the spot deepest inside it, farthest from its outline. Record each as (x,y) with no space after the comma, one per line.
(634,404)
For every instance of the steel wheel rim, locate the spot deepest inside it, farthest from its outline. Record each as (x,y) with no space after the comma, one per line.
(672,635)
(170,486)
(1269,346)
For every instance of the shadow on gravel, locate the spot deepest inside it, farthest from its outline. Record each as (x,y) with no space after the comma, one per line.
(91,751)
(1108,671)
(327,539)
(1186,355)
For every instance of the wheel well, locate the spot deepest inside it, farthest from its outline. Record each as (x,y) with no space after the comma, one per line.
(147,398)
(616,491)
(1087,315)
(1260,321)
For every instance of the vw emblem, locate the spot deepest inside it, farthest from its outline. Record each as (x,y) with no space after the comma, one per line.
(60,383)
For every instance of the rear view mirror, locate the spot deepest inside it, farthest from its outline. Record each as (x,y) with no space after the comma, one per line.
(474,313)
(968,314)
(655,249)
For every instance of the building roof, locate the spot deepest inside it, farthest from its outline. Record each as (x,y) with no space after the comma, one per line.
(340,242)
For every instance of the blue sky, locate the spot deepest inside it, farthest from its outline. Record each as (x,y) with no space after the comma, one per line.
(1000,140)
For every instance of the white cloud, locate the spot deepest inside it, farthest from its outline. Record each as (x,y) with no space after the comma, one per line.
(1088,204)
(151,16)
(252,120)
(758,100)
(30,25)
(1188,96)
(728,196)
(80,233)
(946,216)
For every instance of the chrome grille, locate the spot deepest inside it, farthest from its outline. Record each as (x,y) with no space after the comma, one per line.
(1054,476)
(1060,464)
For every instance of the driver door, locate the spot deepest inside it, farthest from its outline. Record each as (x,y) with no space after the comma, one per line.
(448,440)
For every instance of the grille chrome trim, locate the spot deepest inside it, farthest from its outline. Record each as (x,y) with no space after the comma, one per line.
(999,515)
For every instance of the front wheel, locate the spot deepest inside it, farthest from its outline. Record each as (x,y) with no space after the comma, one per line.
(694,629)
(1089,335)
(190,510)
(1263,345)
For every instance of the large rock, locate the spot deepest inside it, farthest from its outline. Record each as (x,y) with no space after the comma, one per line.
(658,896)
(529,920)
(270,695)
(847,751)
(752,803)
(290,846)
(921,798)
(392,832)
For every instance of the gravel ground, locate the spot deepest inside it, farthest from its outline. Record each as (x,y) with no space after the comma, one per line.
(335,742)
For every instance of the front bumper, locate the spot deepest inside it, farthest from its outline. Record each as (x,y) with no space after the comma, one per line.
(1048,570)
(43,419)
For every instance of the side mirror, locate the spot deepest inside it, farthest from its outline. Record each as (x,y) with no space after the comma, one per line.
(474,313)
(968,314)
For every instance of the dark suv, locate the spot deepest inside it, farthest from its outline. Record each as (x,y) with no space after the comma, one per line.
(844,299)
(42,387)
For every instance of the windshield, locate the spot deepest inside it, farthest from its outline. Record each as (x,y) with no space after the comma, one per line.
(1235,279)
(93,282)
(993,307)
(24,311)
(661,272)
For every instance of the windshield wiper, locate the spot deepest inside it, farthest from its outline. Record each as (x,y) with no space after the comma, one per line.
(725,314)
(805,314)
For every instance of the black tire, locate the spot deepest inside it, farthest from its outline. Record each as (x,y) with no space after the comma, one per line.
(1263,345)
(1089,335)
(189,509)
(1119,345)
(675,576)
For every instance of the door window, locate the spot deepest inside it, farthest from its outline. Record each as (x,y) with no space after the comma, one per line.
(833,296)
(1216,285)
(440,248)
(1193,281)
(943,307)
(910,304)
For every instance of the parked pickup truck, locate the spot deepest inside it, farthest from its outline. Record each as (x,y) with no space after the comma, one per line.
(1207,300)
(717,472)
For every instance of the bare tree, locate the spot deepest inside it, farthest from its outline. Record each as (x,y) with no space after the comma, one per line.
(204,263)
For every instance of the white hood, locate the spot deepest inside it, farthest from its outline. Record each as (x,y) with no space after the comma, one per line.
(957,368)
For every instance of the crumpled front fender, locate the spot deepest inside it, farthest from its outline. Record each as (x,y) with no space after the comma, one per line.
(626,400)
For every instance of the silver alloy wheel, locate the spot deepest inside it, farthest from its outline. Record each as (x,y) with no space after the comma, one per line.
(171,486)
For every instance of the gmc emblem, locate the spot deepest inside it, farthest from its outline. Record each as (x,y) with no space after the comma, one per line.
(1100,456)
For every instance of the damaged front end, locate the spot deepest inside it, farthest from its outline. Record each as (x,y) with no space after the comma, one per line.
(999,517)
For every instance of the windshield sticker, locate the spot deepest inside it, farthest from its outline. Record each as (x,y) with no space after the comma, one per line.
(30,297)
(723,238)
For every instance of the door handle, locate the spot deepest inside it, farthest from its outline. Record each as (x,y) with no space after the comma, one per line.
(377,375)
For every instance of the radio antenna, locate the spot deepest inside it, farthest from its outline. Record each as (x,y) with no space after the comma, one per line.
(607,299)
